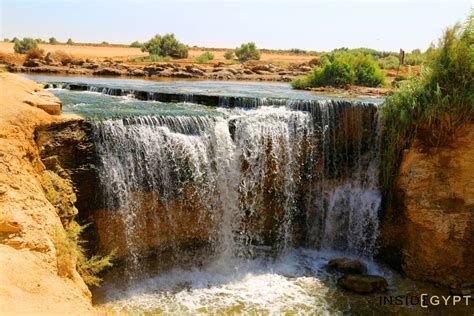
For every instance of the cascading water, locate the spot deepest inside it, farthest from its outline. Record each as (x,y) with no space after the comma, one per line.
(264,178)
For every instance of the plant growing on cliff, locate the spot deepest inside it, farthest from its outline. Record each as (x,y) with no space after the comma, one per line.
(166,45)
(71,255)
(433,105)
(204,57)
(247,52)
(23,46)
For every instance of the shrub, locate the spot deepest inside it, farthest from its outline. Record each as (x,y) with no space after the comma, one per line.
(70,254)
(390,62)
(136,44)
(105,43)
(14,40)
(6,40)
(437,102)
(69,41)
(204,57)
(338,73)
(61,56)
(166,45)
(53,41)
(229,54)
(367,72)
(23,46)
(247,52)
(298,51)
(35,53)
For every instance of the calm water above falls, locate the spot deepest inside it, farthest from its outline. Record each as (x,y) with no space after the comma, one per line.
(272,193)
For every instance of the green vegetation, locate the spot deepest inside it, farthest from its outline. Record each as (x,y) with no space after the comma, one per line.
(14,40)
(151,58)
(70,41)
(340,69)
(247,52)
(6,40)
(204,57)
(23,46)
(433,105)
(104,43)
(66,238)
(53,41)
(367,72)
(229,54)
(136,44)
(298,51)
(166,45)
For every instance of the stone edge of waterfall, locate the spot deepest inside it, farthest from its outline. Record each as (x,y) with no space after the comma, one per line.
(226,101)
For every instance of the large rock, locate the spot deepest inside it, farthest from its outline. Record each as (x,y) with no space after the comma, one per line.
(363,283)
(428,228)
(346,265)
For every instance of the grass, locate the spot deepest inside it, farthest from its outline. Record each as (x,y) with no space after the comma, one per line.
(435,104)
(151,58)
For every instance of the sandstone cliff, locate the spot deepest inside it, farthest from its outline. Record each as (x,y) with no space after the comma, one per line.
(428,231)
(31,280)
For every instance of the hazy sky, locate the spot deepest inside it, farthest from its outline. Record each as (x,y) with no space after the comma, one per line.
(315,25)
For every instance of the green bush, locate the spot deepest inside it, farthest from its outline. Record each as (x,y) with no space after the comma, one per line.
(105,43)
(23,46)
(390,62)
(229,54)
(247,52)
(338,73)
(367,72)
(53,41)
(437,102)
(70,41)
(340,69)
(166,45)
(298,51)
(6,40)
(136,44)
(14,40)
(204,57)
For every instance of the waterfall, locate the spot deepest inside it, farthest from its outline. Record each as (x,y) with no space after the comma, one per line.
(266,178)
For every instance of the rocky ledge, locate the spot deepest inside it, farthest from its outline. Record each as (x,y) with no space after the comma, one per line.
(254,71)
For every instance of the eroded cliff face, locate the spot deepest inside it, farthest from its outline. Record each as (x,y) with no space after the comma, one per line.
(428,231)
(33,280)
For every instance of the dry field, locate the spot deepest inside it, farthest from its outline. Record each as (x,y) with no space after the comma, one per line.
(124,53)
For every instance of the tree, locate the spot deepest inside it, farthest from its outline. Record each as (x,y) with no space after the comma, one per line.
(69,41)
(136,44)
(53,41)
(229,54)
(247,52)
(166,45)
(23,46)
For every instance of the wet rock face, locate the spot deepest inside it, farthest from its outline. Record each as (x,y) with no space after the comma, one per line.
(68,148)
(428,230)
(363,283)
(346,265)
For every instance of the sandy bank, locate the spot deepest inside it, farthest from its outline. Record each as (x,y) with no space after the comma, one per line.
(29,280)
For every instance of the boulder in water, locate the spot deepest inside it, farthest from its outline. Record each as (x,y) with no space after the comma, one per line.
(346,265)
(363,283)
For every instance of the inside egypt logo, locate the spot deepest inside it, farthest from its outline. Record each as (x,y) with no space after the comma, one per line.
(425,300)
